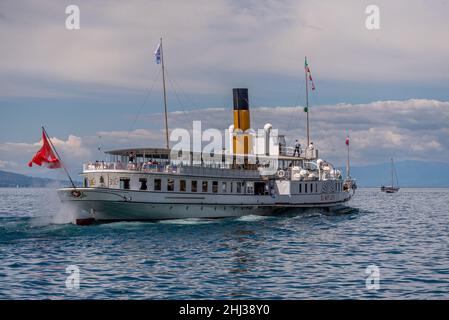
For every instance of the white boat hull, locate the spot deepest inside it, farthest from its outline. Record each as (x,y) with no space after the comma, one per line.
(104,204)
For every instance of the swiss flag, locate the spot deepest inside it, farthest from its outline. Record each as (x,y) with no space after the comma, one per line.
(45,155)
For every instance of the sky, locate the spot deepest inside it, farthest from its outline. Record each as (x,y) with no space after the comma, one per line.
(99,86)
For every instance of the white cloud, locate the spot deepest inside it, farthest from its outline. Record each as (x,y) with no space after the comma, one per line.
(16,155)
(134,138)
(405,130)
(410,129)
(8,165)
(73,147)
(393,138)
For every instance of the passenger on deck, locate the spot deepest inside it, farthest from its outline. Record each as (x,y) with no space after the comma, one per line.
(297,148)
(311,150)
(131,166)
(311,146)
(131,157)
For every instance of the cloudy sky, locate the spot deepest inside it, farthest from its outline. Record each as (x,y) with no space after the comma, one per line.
(99,86)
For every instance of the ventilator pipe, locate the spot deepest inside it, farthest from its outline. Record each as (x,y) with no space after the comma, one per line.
(319,162)
(251,136)
(267,128)
(231,135)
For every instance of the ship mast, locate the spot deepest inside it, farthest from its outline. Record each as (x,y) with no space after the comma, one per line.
(307,102)
(348,173)
(165,98)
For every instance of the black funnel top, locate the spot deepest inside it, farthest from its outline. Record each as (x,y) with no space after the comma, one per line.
(241,101)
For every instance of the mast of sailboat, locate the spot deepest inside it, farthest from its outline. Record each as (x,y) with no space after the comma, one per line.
(396,175)
(307,101)
(165,96)
(392,175)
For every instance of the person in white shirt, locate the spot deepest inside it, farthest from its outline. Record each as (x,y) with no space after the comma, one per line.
(311,150)
(297,148)
(311,146)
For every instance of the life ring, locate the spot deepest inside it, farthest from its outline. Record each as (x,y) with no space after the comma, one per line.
(76,193)
(281,173)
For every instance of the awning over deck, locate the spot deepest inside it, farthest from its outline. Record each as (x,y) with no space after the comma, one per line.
(142,152)
(163,153)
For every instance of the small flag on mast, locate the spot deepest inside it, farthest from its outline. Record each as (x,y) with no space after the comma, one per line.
(347,140)
(309,74)
(157,54)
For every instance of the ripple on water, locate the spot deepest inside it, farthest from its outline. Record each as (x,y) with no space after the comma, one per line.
(189,221)
(292,256)
(251,218)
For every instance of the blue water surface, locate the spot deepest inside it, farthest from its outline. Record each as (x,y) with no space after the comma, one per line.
(302,256)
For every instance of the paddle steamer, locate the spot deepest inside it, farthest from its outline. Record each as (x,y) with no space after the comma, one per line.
(255,175)
(159,183)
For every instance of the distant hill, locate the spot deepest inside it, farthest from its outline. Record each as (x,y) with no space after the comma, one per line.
(10,179)
(410,174)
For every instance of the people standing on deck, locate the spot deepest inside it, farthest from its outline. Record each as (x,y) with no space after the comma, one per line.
(311,146)
(131,161)
(297,148)
(311,150)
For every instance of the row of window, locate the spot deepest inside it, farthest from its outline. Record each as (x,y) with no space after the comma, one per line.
(191,185)
(313,187)
(308,188)
(182,185)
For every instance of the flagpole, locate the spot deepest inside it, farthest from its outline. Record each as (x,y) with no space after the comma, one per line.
(307,104)
(60,161)
(165,97)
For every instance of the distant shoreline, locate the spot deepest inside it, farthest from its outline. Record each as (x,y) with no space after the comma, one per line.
(12,180)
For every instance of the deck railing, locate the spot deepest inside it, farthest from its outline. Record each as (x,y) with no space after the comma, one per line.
(120,166)
(204,170)
(170,168)
(305,153)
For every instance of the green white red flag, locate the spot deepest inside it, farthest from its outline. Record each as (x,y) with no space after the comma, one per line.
(309,73)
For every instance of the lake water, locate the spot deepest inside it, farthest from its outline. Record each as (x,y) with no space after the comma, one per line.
(405,235)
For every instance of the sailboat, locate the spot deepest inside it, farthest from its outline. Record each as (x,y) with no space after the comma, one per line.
(393,188)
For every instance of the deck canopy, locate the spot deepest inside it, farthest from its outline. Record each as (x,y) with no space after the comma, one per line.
(161,153)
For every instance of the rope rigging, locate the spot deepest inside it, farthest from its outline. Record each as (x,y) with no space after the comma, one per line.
(144,102)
